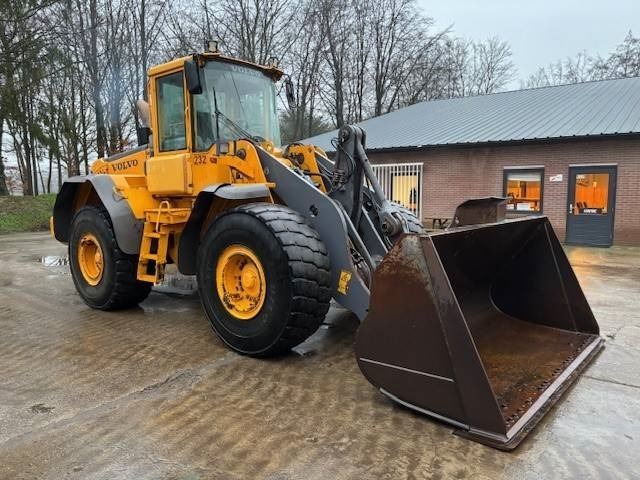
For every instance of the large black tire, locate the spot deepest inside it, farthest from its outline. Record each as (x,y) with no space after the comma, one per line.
(118,287)
(296,269)
(413,223)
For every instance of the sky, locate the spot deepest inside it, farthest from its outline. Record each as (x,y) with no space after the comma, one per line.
(540,31)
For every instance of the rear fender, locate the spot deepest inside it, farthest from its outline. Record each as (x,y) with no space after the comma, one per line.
(233,195)
(127,228)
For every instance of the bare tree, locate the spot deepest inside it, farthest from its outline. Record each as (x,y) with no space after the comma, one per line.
(22,69)
(71,70)
(335,27)
(255,30)
(476,68)
(304,61)
(623,62)
(148,19)
(401,44)
(580,68)
(492,67)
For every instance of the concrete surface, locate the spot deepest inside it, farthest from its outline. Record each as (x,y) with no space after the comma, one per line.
(152,393)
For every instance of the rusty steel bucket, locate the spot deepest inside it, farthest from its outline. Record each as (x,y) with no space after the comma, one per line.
(482,327)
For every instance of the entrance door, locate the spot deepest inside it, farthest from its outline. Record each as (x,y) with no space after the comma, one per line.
(591,204)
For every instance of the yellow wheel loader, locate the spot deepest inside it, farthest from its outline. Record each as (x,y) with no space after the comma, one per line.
(481,326)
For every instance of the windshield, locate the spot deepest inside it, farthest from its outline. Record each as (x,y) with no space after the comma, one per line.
(246,101)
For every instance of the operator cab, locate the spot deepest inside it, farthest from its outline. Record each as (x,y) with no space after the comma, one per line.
(209,98)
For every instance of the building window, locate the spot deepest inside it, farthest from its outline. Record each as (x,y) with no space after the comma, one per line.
(523,189)
(591,194)
(171,112)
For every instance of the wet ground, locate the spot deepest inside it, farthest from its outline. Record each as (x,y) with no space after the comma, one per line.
(152,393)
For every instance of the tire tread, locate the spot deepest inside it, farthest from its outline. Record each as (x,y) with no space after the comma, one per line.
(310,271)
(127,291)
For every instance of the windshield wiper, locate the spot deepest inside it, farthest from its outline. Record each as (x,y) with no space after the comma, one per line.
(238,128)
(218,114)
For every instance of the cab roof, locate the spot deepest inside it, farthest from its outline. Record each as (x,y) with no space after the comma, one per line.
(274,72)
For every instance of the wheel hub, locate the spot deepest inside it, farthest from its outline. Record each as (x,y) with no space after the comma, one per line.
(90,259)
(249,280)
(240,282)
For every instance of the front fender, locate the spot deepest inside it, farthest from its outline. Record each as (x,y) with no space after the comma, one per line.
(190,237)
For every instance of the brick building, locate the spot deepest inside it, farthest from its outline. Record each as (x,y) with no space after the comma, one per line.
(570,152)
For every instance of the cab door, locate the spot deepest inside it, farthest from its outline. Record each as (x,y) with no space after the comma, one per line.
(168,172)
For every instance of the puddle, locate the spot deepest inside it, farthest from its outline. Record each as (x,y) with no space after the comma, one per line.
(41,408)
(54,261)
(174,282)
(177,283)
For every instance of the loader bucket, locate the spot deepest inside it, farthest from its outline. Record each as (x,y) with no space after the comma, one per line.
(482,327)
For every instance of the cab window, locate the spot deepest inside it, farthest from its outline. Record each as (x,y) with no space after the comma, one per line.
(203,123)
(171,125)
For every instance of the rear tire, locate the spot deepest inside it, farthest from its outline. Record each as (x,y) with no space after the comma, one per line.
(283,252)
(110,283)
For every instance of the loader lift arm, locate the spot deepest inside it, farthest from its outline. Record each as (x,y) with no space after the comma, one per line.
(350,172)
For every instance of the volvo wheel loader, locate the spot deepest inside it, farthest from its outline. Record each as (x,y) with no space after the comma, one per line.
(481,326)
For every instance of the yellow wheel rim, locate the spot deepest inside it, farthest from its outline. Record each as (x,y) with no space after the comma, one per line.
(90,259)
(240,282)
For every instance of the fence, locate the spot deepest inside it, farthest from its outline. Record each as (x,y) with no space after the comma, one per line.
(402,183)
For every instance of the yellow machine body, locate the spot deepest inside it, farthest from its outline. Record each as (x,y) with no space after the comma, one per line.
(160,187)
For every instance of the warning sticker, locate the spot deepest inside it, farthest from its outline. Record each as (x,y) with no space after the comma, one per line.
(343,283)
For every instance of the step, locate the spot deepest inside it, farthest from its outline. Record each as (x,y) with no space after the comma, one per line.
(150,256)
(147,278)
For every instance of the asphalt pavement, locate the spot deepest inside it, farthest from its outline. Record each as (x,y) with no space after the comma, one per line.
(152,393)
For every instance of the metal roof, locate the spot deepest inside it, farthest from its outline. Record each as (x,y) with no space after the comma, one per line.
(607,107)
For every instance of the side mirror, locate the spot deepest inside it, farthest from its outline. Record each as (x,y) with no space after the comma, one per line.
(290,93)
(192,74)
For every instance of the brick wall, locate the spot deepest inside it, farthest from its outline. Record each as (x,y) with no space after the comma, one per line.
(454,174)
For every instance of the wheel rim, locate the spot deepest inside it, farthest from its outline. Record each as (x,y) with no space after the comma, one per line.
(90,259)
(240,282)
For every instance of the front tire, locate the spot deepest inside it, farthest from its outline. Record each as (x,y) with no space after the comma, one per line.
(263,278)
(410,221)
(104,276)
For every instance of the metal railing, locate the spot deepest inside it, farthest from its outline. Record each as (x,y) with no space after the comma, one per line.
(402,183)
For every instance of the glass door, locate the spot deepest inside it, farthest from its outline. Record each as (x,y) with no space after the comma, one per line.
(591,202)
